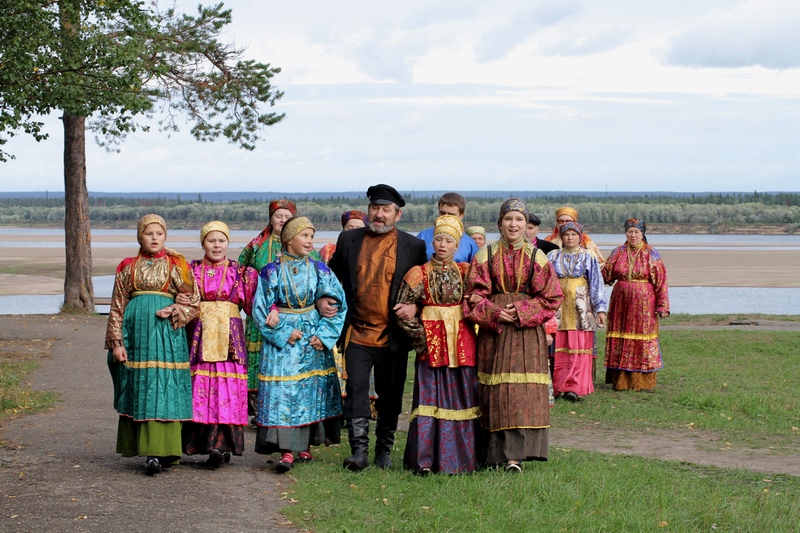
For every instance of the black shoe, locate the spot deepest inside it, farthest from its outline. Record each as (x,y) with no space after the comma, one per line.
(215,458)
(358,435)
(383,459)
(226,457)
(285,464)
(357,462)
(571,396)
(384,440)
(152,466)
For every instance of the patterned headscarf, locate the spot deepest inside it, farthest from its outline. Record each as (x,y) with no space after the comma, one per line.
(146,221)
(214,225)
(636,223)
(472,230)
(294,226)
(282,204)
(348,215)
(574,226)
(512,204)
(569,211)
(449,225)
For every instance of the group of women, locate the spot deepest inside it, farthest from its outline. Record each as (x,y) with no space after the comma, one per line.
(183,365)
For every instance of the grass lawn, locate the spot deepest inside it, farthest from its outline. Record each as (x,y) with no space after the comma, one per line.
(17,359)
(735,385)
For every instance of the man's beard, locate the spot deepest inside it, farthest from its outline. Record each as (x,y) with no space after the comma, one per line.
(380,230)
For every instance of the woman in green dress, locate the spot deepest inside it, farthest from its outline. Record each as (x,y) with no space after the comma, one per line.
(148,354)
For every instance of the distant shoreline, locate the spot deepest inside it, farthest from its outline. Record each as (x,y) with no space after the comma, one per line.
(652,229)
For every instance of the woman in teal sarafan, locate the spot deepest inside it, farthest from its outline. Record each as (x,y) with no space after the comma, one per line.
(299,401)
(148,354)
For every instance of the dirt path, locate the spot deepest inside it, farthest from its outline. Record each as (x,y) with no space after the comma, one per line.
(58,471)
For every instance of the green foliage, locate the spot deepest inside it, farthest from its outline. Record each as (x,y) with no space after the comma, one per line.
(119,60)
(326,210)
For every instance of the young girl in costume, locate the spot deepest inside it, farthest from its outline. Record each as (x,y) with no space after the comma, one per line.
(217,349)
(148,354)
(299,401)
(442,436)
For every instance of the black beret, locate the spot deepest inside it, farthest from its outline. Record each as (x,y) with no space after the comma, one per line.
(385,194)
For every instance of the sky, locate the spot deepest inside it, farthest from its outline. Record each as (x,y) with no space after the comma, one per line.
(467,95)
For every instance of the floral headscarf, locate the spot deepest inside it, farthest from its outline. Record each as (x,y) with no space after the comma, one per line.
(347,216)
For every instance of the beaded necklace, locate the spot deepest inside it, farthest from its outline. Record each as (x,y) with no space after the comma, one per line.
(511,248)
(568,265)
(210,273)
(632,258)
(284,261)
(435,287)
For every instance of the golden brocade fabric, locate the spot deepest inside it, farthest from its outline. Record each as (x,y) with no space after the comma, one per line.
(146,274)
(216,319)
(439,333)
(568,314)
(445,414)
(514,377)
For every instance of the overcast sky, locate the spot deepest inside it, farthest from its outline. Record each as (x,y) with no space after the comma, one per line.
(681,95)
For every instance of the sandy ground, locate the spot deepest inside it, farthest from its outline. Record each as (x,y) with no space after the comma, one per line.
(33,270)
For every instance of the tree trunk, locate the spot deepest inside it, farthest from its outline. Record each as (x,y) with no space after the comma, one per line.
(78,290)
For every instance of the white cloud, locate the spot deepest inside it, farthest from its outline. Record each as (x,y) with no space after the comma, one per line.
(759,33)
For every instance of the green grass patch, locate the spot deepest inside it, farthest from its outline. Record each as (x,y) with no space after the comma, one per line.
(733,385)
(573,491)
(17,360)
(724,320)
(737,384)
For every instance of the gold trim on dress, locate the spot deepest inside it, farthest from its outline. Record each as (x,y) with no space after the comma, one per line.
(297,377)
(514,378)
(293,311)
(445,414)
(134,294)
(517,427)
(157,364)
(565,350)
(631,336)
(254,347)
(213,374)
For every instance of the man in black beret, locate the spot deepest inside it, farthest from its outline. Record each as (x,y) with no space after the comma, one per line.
(370,263)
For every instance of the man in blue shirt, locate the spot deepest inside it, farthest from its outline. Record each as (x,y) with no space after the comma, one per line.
(452,203)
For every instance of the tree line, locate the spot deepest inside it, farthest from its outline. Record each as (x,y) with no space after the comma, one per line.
(716,212)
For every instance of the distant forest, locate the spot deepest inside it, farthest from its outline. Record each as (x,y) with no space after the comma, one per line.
(664,212)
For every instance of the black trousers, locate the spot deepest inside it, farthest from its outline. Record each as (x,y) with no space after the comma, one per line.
(390,379)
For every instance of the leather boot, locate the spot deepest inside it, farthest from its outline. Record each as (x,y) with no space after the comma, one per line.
(384,440)
(358,434)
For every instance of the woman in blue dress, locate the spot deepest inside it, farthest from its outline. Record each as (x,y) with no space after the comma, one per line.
(299,400)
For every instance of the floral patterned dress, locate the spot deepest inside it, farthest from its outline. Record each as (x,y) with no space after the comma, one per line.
(633,353)
(513,368)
